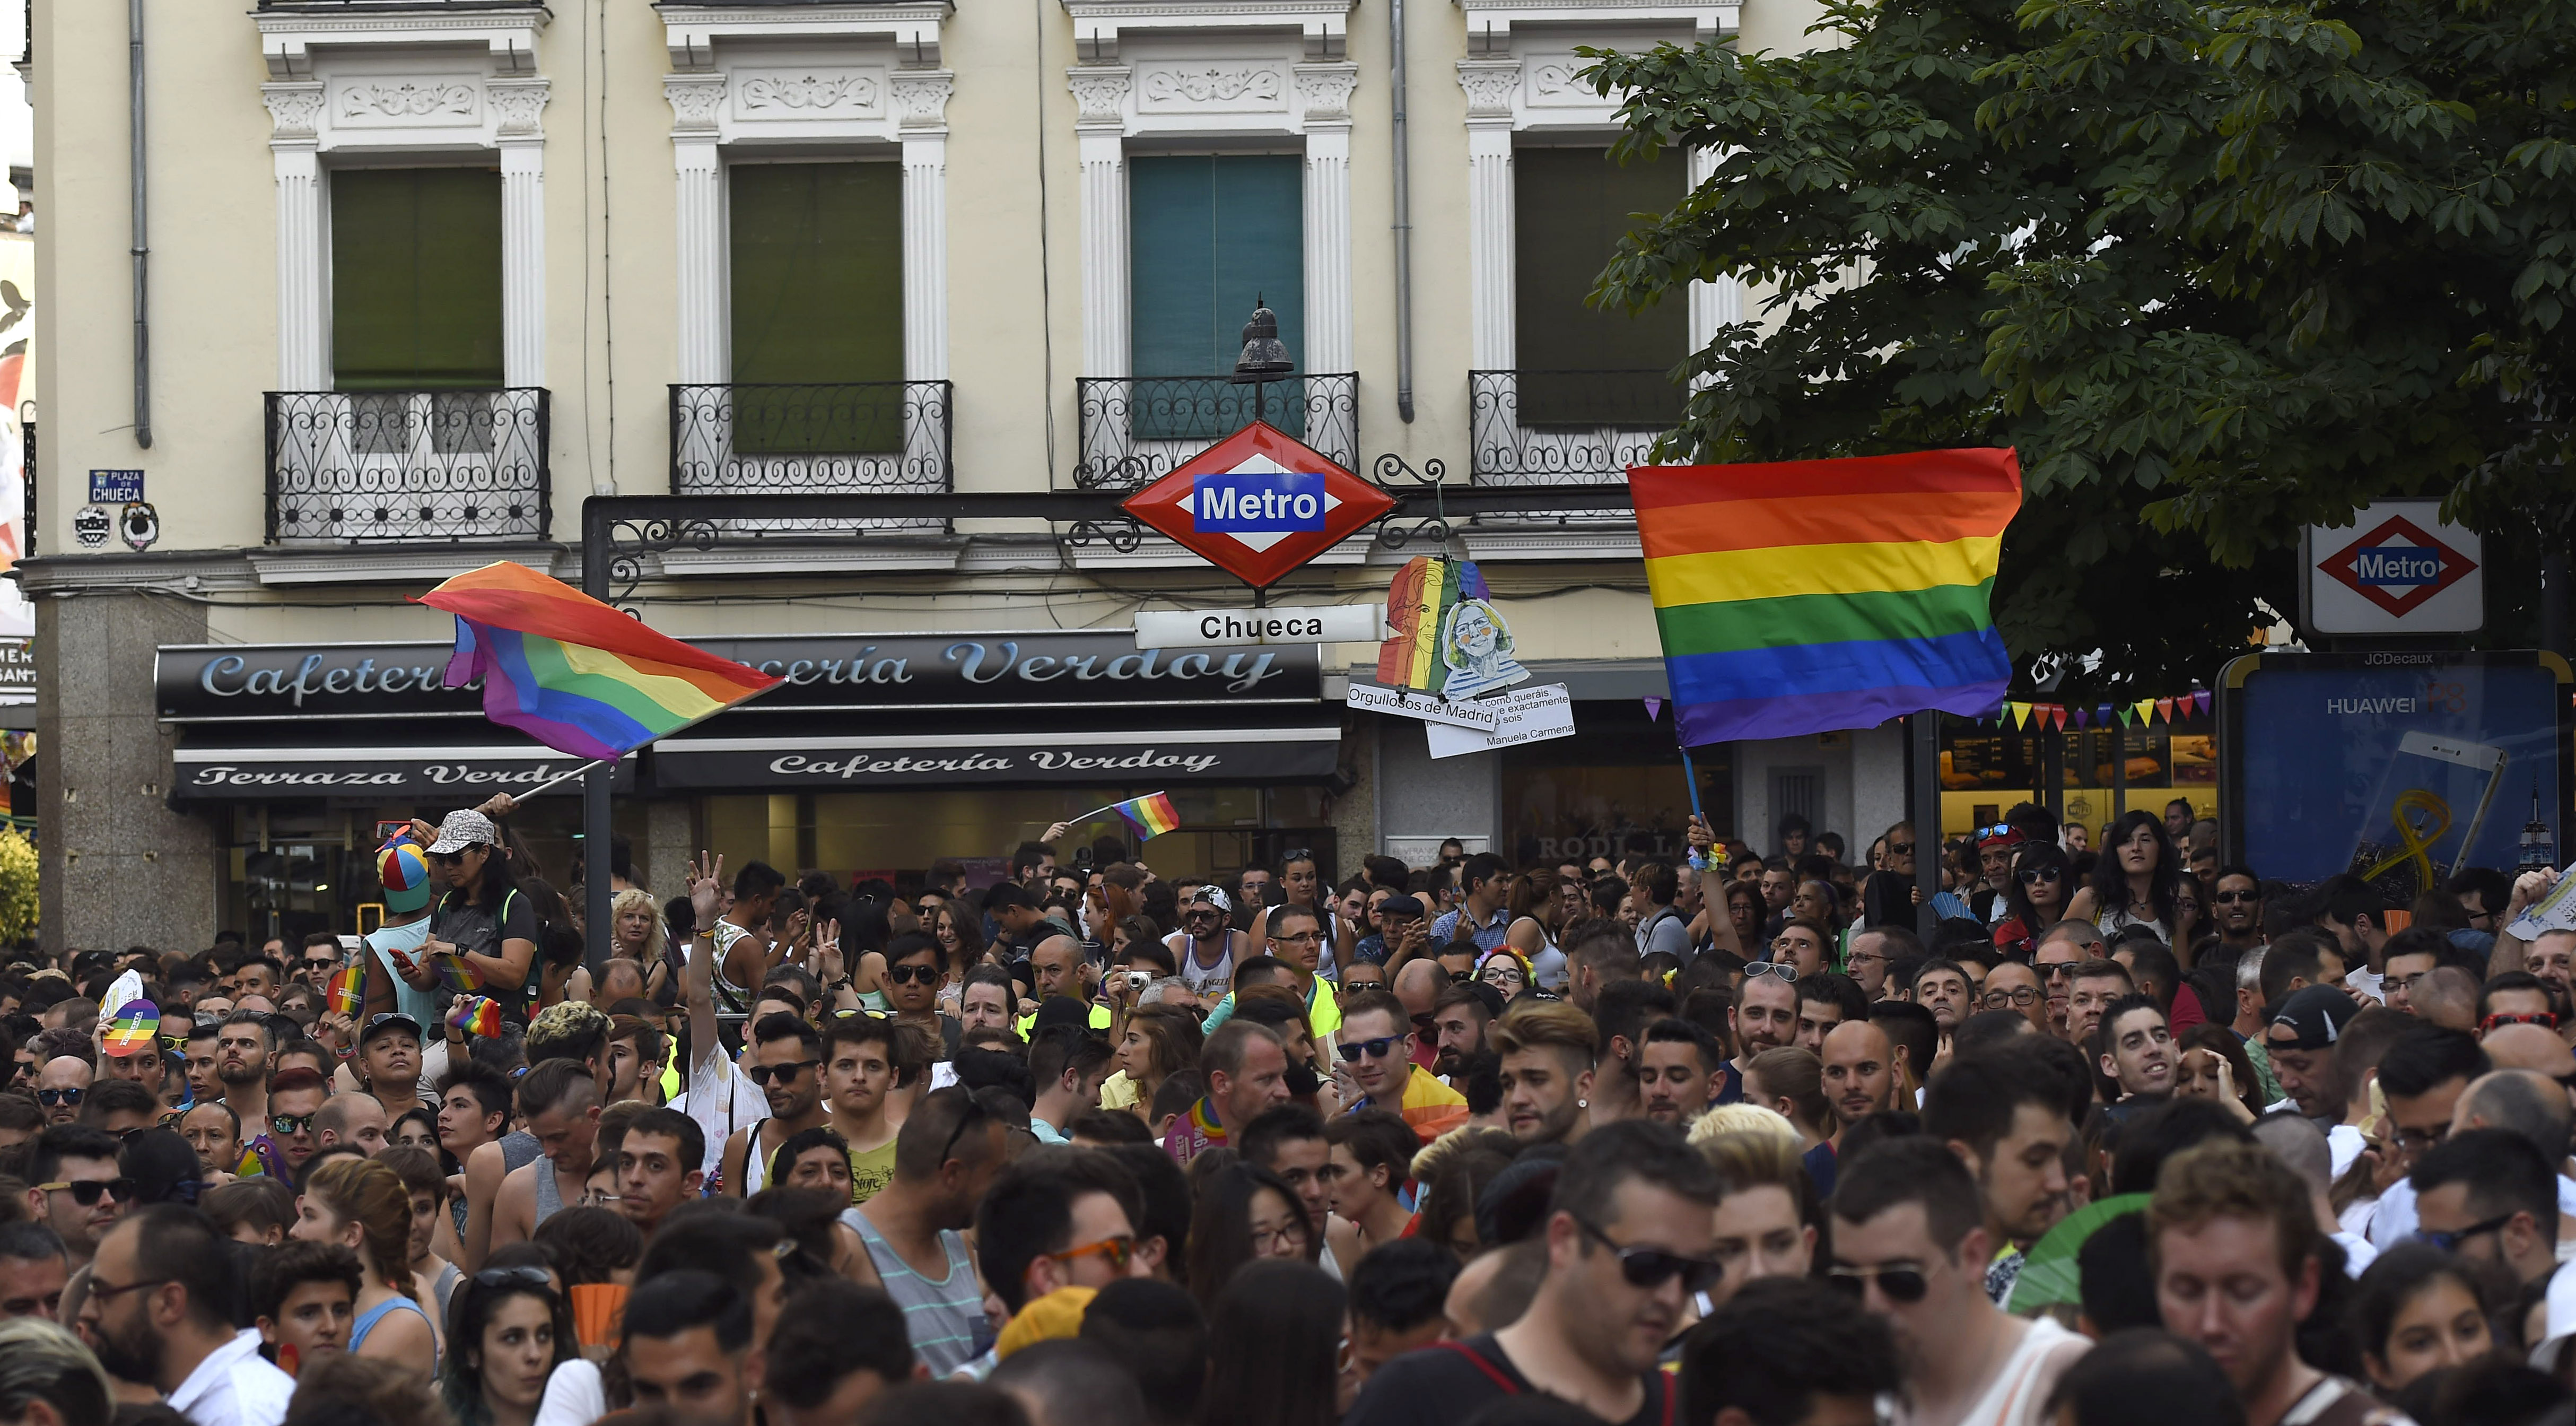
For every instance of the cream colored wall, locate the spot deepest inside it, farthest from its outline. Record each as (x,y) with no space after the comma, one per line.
(611,307)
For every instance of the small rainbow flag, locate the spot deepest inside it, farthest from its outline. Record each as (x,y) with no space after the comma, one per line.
(573,673)
(1150,815)
(132,1028)
(1418,601)
(1806,596)
(476,1016)
(347,990)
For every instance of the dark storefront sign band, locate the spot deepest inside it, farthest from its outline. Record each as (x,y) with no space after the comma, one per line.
(282,721)
(1183,755)
(392,774)
(823,672)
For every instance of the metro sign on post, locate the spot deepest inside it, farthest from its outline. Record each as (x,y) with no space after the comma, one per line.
(1258,504)
(2406,573)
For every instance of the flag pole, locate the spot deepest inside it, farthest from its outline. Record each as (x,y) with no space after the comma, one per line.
(561,778)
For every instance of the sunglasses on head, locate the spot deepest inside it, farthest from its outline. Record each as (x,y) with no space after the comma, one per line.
(1653,1267)
(1377,1049)
(1755,970)
(535,1277)
(1900,1284)
(86,1192)
(761,1075)
(906,975)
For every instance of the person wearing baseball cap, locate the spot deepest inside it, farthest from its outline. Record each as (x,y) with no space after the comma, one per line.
(480,915)
(2301,1038)
(403,870)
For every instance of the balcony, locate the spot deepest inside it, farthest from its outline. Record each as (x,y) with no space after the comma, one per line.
(1135,429)
(822,438)
(1565,427)
(355,467)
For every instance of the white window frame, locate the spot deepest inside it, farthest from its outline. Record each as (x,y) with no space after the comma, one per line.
(388,87)
(751,83)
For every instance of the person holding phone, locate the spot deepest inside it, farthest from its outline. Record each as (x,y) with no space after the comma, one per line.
(403,869)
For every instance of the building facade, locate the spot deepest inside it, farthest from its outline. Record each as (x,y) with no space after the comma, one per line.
(423,277)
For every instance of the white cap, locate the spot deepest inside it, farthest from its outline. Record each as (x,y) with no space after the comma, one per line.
(464,829)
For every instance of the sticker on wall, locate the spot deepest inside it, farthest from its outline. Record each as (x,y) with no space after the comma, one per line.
(141,525)
(92,525)
(1448,636)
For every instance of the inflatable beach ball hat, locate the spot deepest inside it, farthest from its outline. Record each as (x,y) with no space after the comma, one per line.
(404,870)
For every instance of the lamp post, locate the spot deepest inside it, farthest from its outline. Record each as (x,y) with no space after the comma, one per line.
(1265,357)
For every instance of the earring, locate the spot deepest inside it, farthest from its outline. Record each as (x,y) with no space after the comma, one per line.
(1583,1104)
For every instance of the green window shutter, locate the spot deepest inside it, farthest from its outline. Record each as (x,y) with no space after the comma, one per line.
(817,251)
(415,278)
(1581,365)
(1209,236)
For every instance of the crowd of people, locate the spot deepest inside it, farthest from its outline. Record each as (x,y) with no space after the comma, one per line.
(1724,1139)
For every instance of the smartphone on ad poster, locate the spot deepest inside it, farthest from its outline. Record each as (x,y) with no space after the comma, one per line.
(2421,823)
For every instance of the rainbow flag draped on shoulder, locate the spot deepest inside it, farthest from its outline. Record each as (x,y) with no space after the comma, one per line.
(1806,596)
(575,674)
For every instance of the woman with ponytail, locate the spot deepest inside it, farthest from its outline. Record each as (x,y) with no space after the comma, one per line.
(361,1205)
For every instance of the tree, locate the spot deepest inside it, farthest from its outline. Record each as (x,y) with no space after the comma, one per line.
(2215,272)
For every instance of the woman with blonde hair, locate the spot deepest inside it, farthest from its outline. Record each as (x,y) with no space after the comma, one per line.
(634,934)
(362,1205)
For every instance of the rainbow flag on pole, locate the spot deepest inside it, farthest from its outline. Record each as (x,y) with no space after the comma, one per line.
(573,673)
(1150,815)
(1806,596)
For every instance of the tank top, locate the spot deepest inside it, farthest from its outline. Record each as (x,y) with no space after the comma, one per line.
(469,927)
(945,1319)
(2013,1398)
(368,1319)
(549,1199)
(755,1164)
(1198,977)
(518,1150)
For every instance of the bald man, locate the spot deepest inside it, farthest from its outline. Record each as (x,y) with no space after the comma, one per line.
(350,1119)
(1417,986)
(1860,1073)
(2448,997)
(2528,1047)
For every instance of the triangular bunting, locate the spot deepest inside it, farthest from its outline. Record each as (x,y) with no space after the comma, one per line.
(2164,709)
(2201,697)
(2146,710)
(2083,716)
(2125,715)
(2057,712)
(2020,714)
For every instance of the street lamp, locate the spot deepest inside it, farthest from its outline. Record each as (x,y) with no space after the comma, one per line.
(1265,357)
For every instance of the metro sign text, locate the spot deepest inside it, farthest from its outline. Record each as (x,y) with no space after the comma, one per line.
(1258,504)
(2397,566)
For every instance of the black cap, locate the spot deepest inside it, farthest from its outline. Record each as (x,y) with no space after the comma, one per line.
(2315,1016)
(381,1023)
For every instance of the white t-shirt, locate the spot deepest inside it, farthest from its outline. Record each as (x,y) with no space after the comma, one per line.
(235,1386)
(722,1101)
(574,1395)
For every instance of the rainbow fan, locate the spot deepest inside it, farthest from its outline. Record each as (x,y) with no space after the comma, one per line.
(132,1028)
(476,1015)
(453,969)
(347,991)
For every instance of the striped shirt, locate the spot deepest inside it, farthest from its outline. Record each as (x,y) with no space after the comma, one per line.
(945,1318)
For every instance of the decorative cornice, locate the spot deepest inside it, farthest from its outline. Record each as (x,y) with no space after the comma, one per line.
(1097,24)
(509,34)
(1489,22)
(915,26)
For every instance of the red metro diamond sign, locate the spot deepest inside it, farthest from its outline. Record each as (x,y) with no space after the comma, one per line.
(2397,566)
(1258,504)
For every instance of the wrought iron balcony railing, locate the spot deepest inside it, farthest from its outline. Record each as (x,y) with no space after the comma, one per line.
(352,467)
(1565,427)
(819,438)
(1135,429)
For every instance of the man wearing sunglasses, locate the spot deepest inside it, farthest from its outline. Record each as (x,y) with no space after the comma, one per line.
(2490,1197)
(2058,953)
(77,1189)
(1376,1041)
(61,1086)
(2236,909)
(1630,1236)
(1058,1218)
(786,1064)
(1910,1244)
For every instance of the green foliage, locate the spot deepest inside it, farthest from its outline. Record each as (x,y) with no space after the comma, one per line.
(17,888)
(2215,271)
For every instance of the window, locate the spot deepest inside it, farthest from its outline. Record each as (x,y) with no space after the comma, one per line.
(1580,365)
(416,306)
(817,302)
(1211,236)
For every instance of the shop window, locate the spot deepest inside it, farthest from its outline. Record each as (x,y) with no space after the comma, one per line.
(1582,365)
(817,254)
(1610,791)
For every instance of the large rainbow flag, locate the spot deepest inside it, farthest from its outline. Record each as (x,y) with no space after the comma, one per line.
(1806,596)
(573,673)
